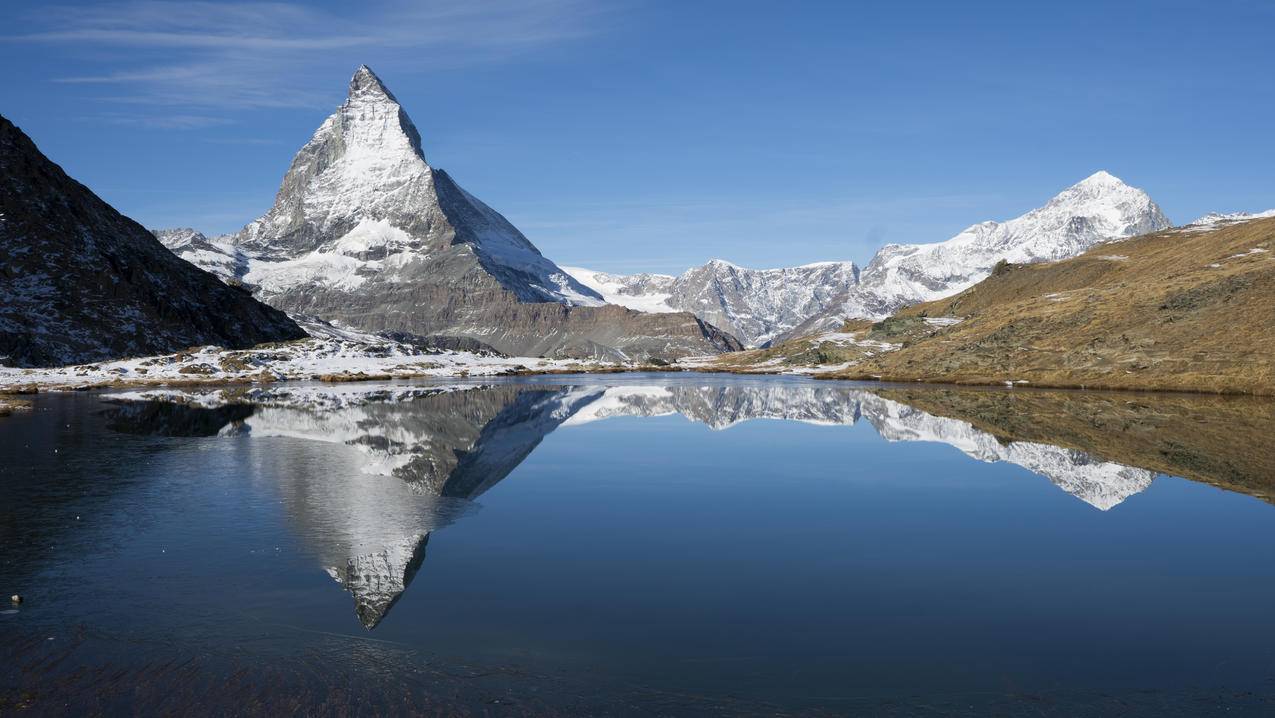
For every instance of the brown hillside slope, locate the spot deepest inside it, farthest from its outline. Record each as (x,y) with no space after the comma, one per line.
(1177,310)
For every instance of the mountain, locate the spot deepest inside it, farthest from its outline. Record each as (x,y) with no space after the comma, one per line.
(217,256)
(1098,209)
(1183,309)
(80,282)
(765,306)
(755,305)
(366,234)
(644,292)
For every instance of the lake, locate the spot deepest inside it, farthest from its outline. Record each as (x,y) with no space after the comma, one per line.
(638,545)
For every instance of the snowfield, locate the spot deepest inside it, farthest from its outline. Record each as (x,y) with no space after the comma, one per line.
(340,357)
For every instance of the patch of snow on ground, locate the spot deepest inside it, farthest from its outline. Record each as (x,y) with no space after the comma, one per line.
(1255,250)
(307,359)
(1215,220)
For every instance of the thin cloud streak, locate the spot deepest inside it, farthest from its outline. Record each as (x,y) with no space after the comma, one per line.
(249,55)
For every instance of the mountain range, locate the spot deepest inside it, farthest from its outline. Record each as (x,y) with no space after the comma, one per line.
(1191,308)
(755,305)
(366,234)
(771,305)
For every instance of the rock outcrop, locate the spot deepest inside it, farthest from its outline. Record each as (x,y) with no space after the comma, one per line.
(80,282)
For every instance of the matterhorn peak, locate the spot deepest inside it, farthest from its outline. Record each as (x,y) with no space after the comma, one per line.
(365,82)
(1100,178)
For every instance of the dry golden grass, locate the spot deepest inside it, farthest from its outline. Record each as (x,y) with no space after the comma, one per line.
(1219,440)
(1172,311)
(8,405)
(813,352)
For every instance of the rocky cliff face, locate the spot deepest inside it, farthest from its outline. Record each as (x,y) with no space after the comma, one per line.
(365,233)
(80,282)
(757,305)
(754,305)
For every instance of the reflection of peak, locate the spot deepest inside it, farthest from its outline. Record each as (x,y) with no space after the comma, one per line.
(367,474)
(721,407)
(377,579)
(413,466)
(1101,484)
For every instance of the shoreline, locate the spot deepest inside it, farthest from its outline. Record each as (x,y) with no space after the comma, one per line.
(11,393)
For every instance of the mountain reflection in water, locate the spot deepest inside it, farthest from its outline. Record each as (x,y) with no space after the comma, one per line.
(417,457)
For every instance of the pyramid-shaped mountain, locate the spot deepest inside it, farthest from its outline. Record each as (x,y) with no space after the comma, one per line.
(81,282)
(365,233)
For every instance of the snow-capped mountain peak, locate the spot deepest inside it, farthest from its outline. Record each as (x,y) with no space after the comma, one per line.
(752,304)
(1100,208)
(360,205)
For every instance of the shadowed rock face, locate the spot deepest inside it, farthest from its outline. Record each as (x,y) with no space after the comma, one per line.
(80,282)
(365,233)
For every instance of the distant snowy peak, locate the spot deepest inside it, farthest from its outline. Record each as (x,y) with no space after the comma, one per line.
(217,256)
(644,292)
(1217,220)
(758,304)
(359,204)
(1100,208)
(753,304)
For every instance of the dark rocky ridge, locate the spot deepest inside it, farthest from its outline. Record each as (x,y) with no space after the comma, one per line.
(80,282)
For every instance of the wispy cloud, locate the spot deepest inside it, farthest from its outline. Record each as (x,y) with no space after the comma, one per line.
(166,121)
(214,57)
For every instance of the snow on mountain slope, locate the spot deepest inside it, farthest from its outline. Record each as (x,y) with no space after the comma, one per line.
(217,256)
(753,304)
(1215,220)
(365,234)
(1101,208)
(360,202)
(763,305)
(643,292)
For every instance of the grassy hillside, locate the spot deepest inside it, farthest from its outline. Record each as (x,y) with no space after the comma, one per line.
(1174,310)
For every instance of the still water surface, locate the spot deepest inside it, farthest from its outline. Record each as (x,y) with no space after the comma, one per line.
(639,545)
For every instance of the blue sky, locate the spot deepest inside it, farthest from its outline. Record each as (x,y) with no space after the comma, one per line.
(632,135)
